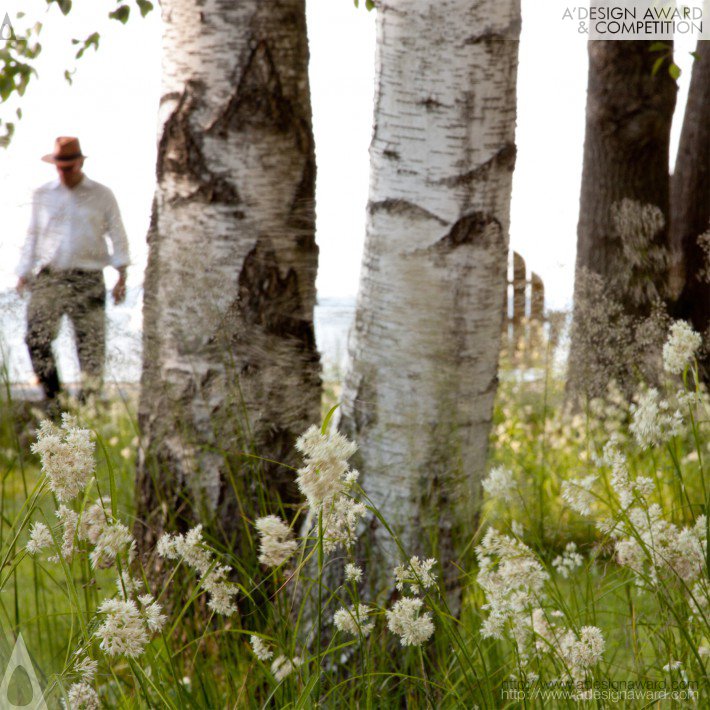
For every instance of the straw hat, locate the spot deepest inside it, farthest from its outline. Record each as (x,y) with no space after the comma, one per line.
(66,151)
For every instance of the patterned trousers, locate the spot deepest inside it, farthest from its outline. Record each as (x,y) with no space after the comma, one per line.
(80,295)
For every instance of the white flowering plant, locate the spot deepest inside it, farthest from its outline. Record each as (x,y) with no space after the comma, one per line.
(591,559)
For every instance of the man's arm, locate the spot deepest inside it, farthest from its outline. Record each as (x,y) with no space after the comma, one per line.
(27,259)
(119,241)
(119,290)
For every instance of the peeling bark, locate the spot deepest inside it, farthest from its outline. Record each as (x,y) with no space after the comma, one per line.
(419,392)
(231,371)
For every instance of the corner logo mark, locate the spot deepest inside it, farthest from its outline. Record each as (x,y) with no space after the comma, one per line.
(21,659)
(6,30)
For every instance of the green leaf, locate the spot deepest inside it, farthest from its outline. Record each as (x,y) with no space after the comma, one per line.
(370,4)
(659,47)
(67,76)
(64,5)
(18,113)
(121,14)
(674,71)
(657,65)
(695,55)
(144,6)
(91,41)
(328,417)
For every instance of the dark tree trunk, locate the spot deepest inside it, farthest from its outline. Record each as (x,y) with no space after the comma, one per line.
(690,206)
(622,238)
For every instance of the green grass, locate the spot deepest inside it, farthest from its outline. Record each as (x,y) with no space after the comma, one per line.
(201,660)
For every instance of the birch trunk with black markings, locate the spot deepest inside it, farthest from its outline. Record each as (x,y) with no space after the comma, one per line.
(419,391)
(230,363)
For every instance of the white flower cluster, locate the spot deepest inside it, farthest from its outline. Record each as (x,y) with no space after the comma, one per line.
(67,455)
(261,650)
(406,621)
(323,477)
(325,481)
(40,538)
(191,550)
(512,579)
(353,573)
(282,667)
(340,523)
(653,423)
(568,561)
(680,348)
(81,696)
(276,542)
(123,630)
(579,652)
(417,573)
(654,546)
(577,493)
(626,489)
(500,484)
(127,625)
(94,525)
(354,620)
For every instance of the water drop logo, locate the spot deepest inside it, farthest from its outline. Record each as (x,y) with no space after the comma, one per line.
(7,33)
(20,658)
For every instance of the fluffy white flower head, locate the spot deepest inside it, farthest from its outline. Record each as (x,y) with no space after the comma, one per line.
(122,631)
(81,696)
(353,573)
(261,650)
(324,476)
(40,537)
(405,621)
(67,455)
(354,620)
(417,573)
(276,542)
(500,484)
(680,348)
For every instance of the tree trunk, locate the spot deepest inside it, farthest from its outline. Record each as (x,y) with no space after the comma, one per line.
(622,237)
(690,206)
(419,392)
(230,363)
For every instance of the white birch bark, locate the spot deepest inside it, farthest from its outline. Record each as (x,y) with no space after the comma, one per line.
(424,349)
(230,363)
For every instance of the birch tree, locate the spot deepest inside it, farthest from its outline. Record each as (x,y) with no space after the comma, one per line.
(230,371)
(623,260)
(690,205)
(419,391)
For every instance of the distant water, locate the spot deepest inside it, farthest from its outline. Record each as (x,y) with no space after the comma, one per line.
(333,318)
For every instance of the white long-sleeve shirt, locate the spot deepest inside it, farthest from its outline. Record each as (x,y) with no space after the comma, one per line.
(69,229)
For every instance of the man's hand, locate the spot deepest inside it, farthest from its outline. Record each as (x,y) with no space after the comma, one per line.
(22,284)
(119,290)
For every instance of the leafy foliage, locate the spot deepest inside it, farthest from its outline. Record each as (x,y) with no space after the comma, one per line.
(20,48)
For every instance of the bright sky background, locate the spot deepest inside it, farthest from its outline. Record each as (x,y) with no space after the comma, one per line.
(112,106)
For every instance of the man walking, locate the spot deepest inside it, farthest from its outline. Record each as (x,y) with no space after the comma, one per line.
(62,265)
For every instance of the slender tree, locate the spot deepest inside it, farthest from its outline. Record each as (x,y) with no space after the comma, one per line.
(419,392)
(622,237)
(690,205)
(231,371)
